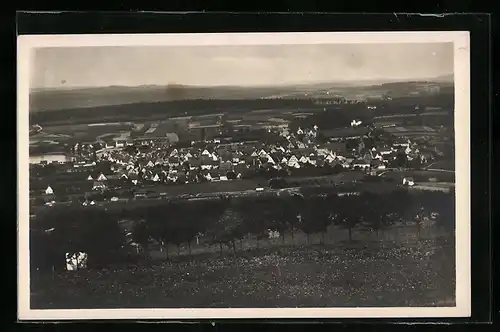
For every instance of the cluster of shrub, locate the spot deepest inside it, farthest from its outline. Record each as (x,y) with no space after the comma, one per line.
(224,221)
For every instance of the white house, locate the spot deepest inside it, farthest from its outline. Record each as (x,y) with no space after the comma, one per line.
(101,178)
(293,162)
(49,191)
(330,158)
(408,181)
(156,178)
(355,123)
(263,153)
(90,178)
(311,133)
(300,131)
(98,185)
(304,159)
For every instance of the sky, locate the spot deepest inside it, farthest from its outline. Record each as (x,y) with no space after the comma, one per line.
(72,67)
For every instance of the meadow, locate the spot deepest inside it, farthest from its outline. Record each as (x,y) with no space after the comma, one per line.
(390,249)
(360,274)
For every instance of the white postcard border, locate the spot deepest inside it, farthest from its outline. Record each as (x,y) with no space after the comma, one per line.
(26,43)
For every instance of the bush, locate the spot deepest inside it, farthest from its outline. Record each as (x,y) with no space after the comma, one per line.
(76,229)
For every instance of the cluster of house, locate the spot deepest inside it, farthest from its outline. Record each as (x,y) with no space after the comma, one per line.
(155,162)
(214,161)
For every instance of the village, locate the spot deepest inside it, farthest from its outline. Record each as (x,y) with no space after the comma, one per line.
(117,169)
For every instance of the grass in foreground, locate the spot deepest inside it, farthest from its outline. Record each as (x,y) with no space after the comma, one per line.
(342,275)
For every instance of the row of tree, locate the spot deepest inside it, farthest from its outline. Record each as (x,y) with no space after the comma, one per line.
(226,221)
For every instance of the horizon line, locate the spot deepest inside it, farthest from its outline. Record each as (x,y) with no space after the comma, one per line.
(347,81)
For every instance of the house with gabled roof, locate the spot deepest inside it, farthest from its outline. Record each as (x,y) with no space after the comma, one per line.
(313,160)
(208,176)
(293,162)
(301,145)
(99,185)
(304,160)
(311,133)
(49,191)
(102,177)
(331,158)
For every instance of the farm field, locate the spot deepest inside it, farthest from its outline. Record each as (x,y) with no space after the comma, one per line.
(443,164)
(409,129)
(89,133)
(405,273)
(401,130)
(420,175)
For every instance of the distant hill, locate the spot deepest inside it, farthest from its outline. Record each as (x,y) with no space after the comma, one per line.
(73,98)
(444,79)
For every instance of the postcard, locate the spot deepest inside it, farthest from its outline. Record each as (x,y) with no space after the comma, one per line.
(244,175)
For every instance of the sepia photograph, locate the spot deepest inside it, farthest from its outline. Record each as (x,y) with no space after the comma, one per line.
(252,175)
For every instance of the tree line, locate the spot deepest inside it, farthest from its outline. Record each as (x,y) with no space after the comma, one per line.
(225,222)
